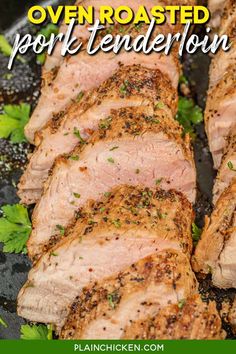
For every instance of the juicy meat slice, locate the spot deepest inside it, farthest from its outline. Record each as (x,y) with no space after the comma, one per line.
(228,16)
(220,115)
(105,309)
(129,86)
(83,72)
(81,31)
(107,236)
(223,61)
(215,252)
(189,319)
(132,147)
(221,13)
(227,170)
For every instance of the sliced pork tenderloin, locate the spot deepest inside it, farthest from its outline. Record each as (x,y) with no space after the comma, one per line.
(191,318)
(82,34)
(83,72)
(227,170)
(228,16)
(129,86)
(108,235)
(215,252)
(105,309)
(221,14)
(133,146)
(220,115)
(223,61)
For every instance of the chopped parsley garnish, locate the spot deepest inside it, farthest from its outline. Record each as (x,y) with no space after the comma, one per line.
(189,114)
(124,88)
(61,229)
(102,209)
(113,299)
(196,233)
(46,31)
(152,119)
(80,96)
(54,254)
(111,160)
(117,223)
(13,121)
(15,228)
(105,123)
(36,332)
(231,166)
(74,157)
(3,323)
(77,134)
(76,195)
(114,148)
(160,105)
(158,181)
(139,25)
(6,48)
(107,194)
(181,303)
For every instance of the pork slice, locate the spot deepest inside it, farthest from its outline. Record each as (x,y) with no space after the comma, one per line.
(129,86)
(220,115)
(191,318)
(133,147)
(223,61)
(83,72)
(81,31)
(105,309)
(107,236)
(215,252)
(227,170)
(221,13)
(228,16)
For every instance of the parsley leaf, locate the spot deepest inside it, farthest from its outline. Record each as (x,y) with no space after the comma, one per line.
(35,332)
(181,303)
(3,323)
(13,121)
(77,134)
(111,160)
(46,31)
(15,228)
(231,166)
(188,114)
(196,233)
(6,48)
(183,80)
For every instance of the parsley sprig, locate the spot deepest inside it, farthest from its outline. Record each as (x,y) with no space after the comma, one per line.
(189,114)
(35,332)
(196,233)
(13,121)
(46,31)
(15,228)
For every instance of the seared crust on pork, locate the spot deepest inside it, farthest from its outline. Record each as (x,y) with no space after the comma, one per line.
(104,310)
(126,225)
(129,86)
(191,318)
